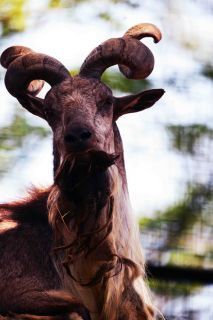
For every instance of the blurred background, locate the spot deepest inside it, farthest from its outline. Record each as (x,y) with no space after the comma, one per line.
(168,148)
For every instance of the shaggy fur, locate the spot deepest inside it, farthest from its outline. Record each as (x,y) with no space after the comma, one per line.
(73,250)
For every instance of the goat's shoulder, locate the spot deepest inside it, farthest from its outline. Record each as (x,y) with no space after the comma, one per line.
(26,267)
(32,209)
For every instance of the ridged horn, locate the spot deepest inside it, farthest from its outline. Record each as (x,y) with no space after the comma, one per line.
(135,60)
(27,70)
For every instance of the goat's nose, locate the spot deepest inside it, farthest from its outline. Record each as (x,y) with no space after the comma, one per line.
(77,135)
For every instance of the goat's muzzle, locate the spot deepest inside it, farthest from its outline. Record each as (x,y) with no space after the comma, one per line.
(78,139)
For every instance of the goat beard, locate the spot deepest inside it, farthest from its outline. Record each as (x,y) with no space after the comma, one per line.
(84,185)
(83,176)
(88,224)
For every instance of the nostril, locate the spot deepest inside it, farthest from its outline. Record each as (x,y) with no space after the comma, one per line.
(77,136)
(70,138)
(85,135)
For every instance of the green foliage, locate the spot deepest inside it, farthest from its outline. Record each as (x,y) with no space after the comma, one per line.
(12,139)
(186,259)
(12,16)
(55,4)
(74,72)
(12,136)
(105,16)
(116,81)
(182,216)
(186,138)
(173,289)
(64,3)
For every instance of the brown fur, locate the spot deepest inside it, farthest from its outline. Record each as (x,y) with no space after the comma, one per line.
(78,235)
(29,281)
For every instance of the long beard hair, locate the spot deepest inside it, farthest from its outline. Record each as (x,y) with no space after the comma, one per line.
(105,224)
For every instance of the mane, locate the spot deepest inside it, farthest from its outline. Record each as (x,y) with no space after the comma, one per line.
(113,231)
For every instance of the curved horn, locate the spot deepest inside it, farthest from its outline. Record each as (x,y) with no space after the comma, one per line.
(135,60)
(27,69)
(143,30)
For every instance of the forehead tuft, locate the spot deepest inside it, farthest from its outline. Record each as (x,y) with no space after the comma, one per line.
(78,91)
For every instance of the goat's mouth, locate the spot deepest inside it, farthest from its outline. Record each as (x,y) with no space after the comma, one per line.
(91,159)
(80,148)
(99,159)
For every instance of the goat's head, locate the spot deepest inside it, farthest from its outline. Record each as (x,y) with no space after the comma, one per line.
(81,109)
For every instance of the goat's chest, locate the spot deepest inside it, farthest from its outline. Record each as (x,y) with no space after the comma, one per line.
(91,296)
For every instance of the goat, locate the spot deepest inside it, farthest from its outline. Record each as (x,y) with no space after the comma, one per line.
(78,235)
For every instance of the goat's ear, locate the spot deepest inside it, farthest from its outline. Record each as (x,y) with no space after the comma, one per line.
(137,102)
(33,104)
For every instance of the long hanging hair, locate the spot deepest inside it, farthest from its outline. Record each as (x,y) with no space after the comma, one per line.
(106,223)
(122,274)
